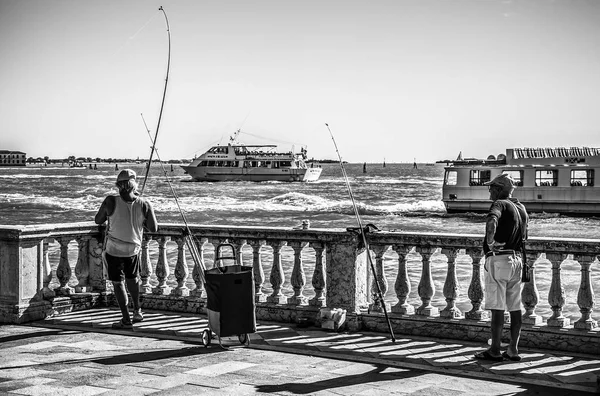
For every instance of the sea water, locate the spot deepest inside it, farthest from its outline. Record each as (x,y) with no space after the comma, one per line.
(394,197)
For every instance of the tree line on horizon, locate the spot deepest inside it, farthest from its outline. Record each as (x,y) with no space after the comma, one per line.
(72,160)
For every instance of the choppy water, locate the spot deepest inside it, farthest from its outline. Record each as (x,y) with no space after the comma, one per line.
(396,197)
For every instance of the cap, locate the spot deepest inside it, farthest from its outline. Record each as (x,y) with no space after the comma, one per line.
(503,180)
(126,174)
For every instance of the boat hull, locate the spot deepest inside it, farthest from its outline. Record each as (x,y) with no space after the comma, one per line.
(216,174)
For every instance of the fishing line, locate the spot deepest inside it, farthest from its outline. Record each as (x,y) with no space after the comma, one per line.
(364,238)
(131,38)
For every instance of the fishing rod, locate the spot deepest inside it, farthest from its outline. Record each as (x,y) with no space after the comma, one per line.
(364,237)
(162,105)
(190,238)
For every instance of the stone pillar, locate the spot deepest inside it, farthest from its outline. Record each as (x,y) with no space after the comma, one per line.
(257,271)
(379,279)
(162,269)
(476,291)
(22,277)
(63,271)
(319,277)
(585,296)
(451,287)
(277,277)
(530,295)
(82,267)
(402,285)
(556,294)
(346,275)
(145,266)
(426,288)
(199,267)
(181,270)
(298,278)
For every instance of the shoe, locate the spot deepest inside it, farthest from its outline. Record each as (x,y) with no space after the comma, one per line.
(485,355)
(137,316)
(122,326)
(515,358)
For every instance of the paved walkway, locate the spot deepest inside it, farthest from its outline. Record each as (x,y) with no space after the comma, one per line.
(79,354)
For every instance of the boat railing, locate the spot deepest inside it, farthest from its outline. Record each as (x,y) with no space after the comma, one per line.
(432,283)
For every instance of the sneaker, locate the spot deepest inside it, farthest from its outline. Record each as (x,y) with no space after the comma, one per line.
(137,316)
(122,326)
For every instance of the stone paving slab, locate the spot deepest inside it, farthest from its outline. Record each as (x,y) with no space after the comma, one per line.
(80,354)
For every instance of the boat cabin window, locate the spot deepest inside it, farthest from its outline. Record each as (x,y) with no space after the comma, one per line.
(478,177)
(218,150)
(450,178)
(583,177)
(517,176)
(546,178)
(285,164)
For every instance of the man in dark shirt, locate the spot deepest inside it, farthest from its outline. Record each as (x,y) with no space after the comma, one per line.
(506,228)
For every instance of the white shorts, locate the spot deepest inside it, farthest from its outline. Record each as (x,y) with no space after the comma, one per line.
(503,282)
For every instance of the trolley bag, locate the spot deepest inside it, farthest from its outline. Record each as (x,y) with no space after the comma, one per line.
(230,300)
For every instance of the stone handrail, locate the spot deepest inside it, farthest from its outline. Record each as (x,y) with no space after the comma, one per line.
(341,278)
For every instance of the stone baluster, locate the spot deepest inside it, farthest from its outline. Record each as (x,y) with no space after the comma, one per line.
(426,288)
(63,271)
(298,278)
(198,270)
(319,277)
(451,287)
(46,293)
(257,271)
(82,267)
(238,244)
(181,270)
(475,291)
(530,295)
(162,269)
(402,285)
(277,277)
(380,278)
(145,266)
(556,294)
(585,295)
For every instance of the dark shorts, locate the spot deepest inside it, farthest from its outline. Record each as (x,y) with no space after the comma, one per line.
(121,268)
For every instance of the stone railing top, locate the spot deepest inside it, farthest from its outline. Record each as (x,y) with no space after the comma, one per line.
(587,247)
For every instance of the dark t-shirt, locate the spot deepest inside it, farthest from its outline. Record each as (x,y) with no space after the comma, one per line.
(509,223)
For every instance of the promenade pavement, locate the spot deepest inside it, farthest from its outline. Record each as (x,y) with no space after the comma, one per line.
(79,354)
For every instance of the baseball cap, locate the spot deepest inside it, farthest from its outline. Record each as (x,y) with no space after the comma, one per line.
(503,180)
(126,174)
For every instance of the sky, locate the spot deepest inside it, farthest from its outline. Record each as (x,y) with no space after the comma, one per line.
(395,80)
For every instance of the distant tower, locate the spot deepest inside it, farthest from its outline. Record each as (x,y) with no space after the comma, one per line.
(384,162)
(365,167)
(415,164)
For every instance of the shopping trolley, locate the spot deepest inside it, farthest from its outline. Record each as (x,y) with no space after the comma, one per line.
(230,299)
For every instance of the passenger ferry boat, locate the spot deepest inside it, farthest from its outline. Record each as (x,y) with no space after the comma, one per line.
(241,162)
(552,180)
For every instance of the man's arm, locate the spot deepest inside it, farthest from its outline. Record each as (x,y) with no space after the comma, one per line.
(102,215)
(151,224)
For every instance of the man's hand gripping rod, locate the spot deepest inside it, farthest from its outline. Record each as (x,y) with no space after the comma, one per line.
(364,238)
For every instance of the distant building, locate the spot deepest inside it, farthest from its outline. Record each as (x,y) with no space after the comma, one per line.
(12,158)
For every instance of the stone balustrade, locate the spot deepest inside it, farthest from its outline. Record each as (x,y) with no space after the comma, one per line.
(308,270)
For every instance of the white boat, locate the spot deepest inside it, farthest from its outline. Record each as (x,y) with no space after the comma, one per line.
(552,180)
(241,162)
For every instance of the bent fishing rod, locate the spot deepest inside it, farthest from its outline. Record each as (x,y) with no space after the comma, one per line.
(190,239)
(364,238)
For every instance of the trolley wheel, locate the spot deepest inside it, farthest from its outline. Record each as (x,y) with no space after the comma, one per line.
(206,337)
(243,338)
